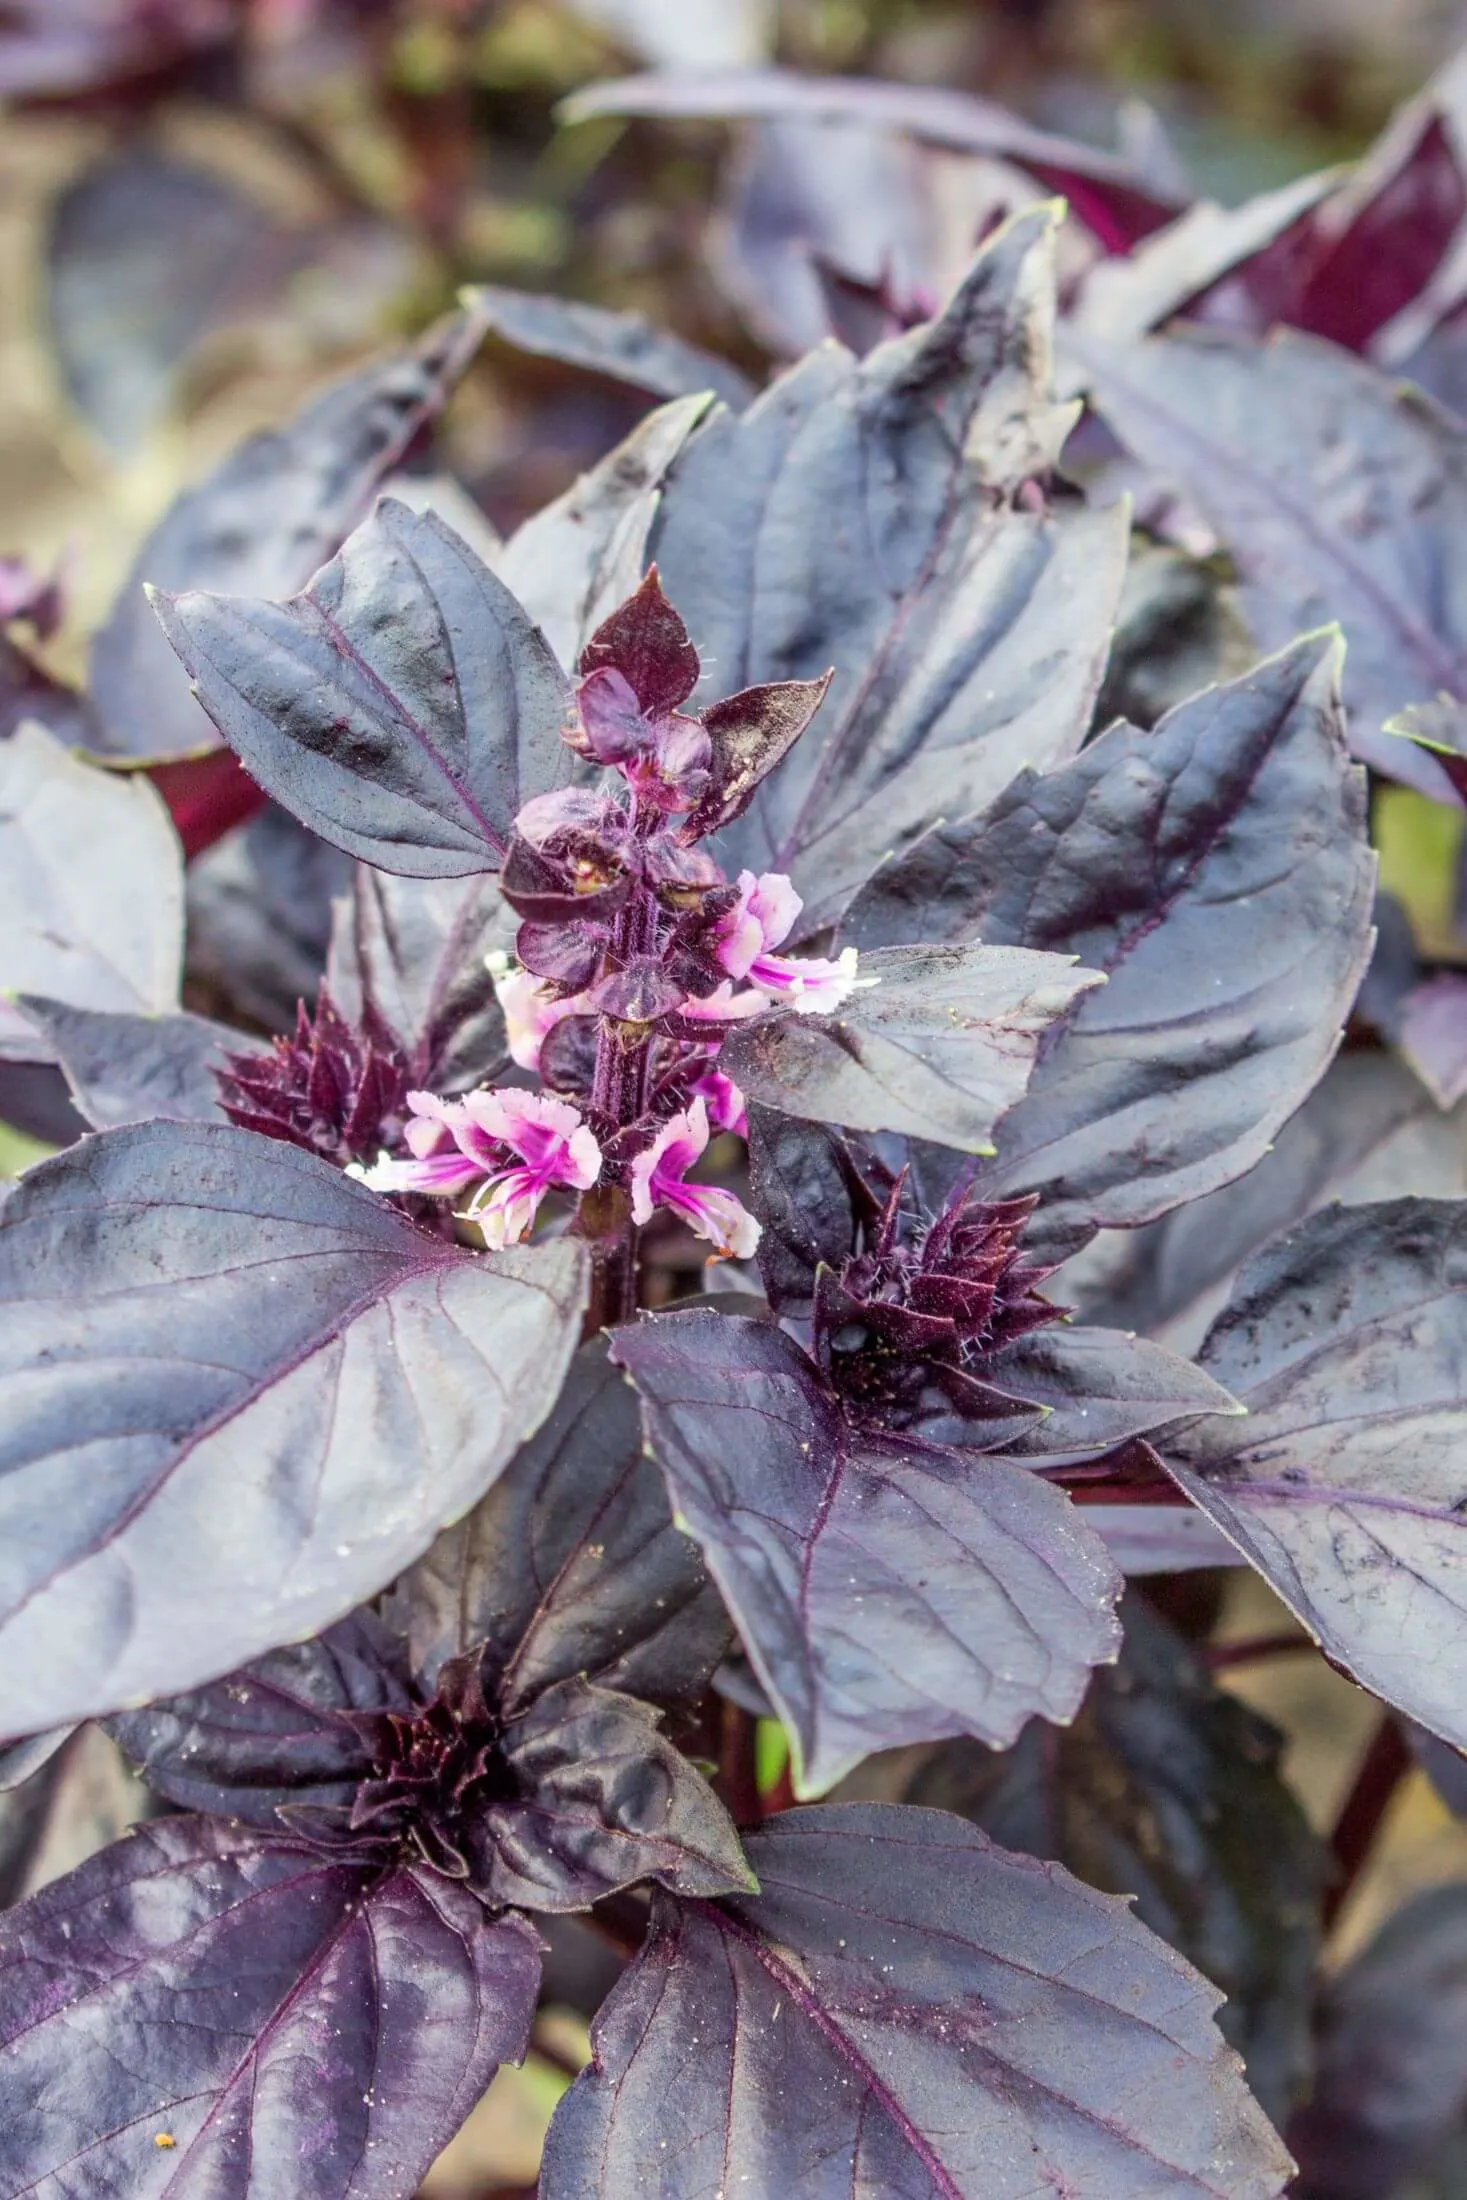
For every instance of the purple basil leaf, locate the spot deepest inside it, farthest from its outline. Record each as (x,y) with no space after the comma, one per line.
(1337,491)
(1439,730)
(1103,189)
(573,563)
(91,889)
(80,1799)
(263,1391)
(51,48)
(906,2009)
(1445,1767)
(886,1592)
(260,908)
(25,1805)
(939,1048)
(803,1195)
(1392,2082)
(571,1564)
(267,1735)
(1367,1131)
(604,1802)
(1125,296)
(1178,630)
(1345,1485)
(1158,1539)
(860,515)
(1154,857)
(1168,1789)
(277,508)
(1100,1387)
(131,1069)
(259,2007)
(403,707)
(146,256)
(20,1761)
(414,949)
(625,346)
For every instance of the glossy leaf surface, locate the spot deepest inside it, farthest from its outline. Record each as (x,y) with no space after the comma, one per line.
(906,2009)
(885,1592)
(248,2002)
(403,707)
(940,1047)
(262,1390)
(1345,1484)
(1155,858)
(571,1564)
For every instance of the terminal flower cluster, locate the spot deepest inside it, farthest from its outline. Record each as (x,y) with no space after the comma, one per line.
(635,955)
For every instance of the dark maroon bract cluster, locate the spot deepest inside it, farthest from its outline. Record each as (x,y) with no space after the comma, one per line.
(336,1088)
(435,1771)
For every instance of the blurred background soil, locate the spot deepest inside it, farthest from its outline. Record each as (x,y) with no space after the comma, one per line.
(184,253)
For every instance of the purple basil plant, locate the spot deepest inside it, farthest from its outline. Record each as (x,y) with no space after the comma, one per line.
(627,1315)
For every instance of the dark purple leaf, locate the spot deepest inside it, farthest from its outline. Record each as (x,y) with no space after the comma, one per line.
(861,515)
(79,1799)
(1124,297)
(1158,1539)
(571,1564)
(1439,728)
(91,889)
(1346,1486)
(1392,2081)
(1154,857)
(1178,630)
(1367,1131)
(263,1391)
(939,1048)
(906,2009)
(886,1592)
(807,1201)
(262,523)
(571,564)
(28,690)
(1098,1388)
(625,346)
(414,950)
(196,2008)
(1103,189)
(51,48)
(25,1804)
(403,706)
(1167,1789)
(1338,492)
(146,255)
(128,1069)
(267,1735)
(261,906)
(604,1802)
(1445,1767)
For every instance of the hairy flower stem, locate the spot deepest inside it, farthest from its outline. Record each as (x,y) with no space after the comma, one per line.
(618,1099)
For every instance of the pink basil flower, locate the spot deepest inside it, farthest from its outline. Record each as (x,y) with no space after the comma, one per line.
(458,1143)
(657,1181)
(724,1101)
(531,1013)
(762,920)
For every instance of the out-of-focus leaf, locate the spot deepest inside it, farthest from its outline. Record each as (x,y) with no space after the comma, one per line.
(1434,1036)
(81,1797)
(27,690)
(250,2002)
(1392,2081)
(414,949)
(91,888)
(1167,1789)
(939,1048)
(1440,728)
(686,34)
(1158,1539)
(50,48)
(885,1592)
(861,516)
(123,1068)
(1178,630)
(906,2009)
(1340,494)
(245,1394)
(1102,188)
(261,524)
(571,1564)
(1346,1484)
(146,255)
(403,706)
(625,346)
(1155,858)
(259,910)
(571,564)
